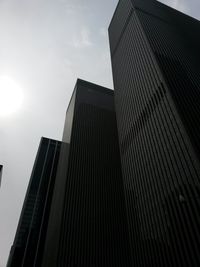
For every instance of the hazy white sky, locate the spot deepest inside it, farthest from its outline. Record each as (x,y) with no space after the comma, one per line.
(45,45)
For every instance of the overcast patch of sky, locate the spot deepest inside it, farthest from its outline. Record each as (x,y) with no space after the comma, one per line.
(191,7)
(45,45)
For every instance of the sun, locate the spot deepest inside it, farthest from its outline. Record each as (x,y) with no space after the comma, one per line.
(11,96)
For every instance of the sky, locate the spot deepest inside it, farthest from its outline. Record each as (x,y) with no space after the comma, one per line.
(45,46)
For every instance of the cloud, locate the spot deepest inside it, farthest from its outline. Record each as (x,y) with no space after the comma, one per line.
(82,39)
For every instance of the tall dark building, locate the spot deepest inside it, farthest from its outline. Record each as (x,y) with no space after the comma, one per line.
(156,65)
(88,225)
(28,246)
(1,170)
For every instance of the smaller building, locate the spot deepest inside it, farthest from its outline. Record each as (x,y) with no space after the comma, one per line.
(87,224)
(29,240)
(1,169)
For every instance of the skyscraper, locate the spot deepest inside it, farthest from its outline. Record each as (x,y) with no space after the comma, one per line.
(1,170)
(28,246)
(88,225)
(156,63)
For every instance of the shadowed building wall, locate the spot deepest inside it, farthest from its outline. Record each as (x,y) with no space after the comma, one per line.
(156,64)
(1,170)
(88,224)
(28,246)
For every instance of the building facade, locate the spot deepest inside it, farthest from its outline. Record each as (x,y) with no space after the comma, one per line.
(156,62)
(1,170)
(28,246)
(88,224)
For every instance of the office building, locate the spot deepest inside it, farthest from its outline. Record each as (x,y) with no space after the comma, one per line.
(88,225)
(1,170)
(28,246)
(156,62)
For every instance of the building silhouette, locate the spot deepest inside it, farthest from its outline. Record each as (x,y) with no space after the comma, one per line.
(28,246)
(88,225)
(123,188)
(1,170)
(156,62)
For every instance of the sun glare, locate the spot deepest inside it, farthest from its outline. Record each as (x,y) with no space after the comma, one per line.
(11,96)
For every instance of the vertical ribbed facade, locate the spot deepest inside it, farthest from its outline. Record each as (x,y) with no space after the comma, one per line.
(1,170)
(28,246)
(155,60)
(88,224)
